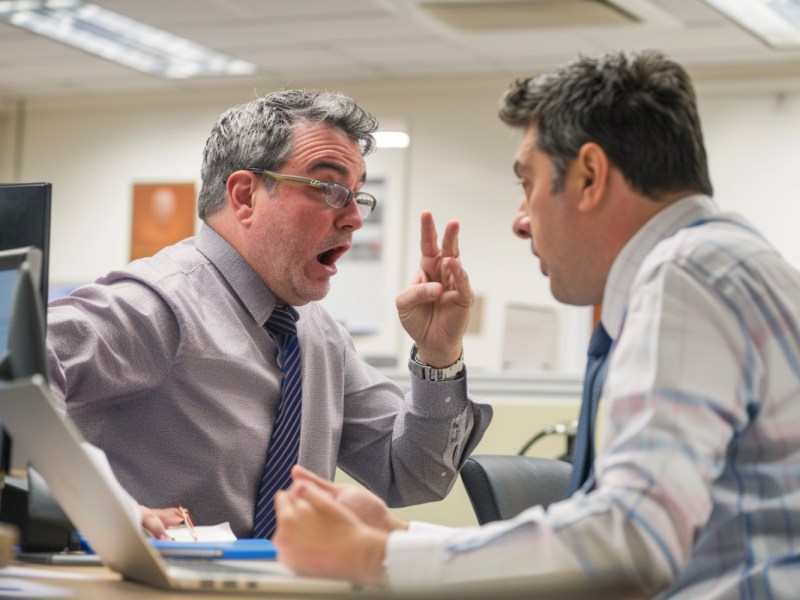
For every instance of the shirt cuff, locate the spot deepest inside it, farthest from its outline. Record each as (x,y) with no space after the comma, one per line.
(440,399)
(413,557)
(424,527)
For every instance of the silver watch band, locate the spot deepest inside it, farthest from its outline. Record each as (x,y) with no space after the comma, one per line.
(429,373)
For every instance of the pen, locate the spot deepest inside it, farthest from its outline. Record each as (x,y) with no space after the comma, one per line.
(188,520)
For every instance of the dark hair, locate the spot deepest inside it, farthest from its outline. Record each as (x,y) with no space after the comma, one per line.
(258,134)
(641,109)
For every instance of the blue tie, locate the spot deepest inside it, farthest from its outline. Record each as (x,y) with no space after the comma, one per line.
(583,456)
(285,443)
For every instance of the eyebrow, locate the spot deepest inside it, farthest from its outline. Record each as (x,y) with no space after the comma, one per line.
(343,171)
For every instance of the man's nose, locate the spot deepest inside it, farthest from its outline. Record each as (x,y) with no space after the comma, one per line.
(521,225)
(349,217)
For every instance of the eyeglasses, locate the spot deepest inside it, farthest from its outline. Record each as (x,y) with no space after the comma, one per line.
(334,194)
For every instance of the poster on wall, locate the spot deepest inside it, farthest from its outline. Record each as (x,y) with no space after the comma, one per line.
(163,214)
(530,338)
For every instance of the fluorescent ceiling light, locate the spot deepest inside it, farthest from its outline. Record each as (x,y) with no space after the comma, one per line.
(776,22)
(391,139)
(120,39)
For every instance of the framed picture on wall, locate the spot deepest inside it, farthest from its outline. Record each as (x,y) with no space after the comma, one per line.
(530,338)
(163,214)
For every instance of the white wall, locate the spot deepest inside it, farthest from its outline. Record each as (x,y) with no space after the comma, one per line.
(754,154)
(458,165)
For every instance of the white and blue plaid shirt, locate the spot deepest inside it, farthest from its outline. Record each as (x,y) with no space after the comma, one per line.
(697,493)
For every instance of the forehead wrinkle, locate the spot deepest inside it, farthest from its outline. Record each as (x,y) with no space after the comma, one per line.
(342,170)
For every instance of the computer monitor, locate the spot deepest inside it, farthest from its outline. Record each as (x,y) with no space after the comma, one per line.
(22,327)
(25,221)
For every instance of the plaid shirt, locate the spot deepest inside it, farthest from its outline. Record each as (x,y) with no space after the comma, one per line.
(698,468)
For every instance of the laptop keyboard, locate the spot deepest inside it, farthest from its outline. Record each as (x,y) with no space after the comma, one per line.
(223,567)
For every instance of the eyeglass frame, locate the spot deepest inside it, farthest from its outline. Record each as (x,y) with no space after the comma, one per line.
(362,199)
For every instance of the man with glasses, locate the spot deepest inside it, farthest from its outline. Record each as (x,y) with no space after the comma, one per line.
(206,371)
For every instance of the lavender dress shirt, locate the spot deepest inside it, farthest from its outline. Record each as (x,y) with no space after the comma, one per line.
(166,366)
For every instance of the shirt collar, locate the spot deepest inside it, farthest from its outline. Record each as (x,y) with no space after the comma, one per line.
(662,225)
(253,293)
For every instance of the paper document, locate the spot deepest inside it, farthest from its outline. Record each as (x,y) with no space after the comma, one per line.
(209,533)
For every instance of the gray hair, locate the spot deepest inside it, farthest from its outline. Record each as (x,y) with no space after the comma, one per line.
(641,109)
(258,134)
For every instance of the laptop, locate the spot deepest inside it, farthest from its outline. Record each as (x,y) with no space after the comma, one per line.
(97,505)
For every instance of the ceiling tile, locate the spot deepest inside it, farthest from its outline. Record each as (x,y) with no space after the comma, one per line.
(372,40)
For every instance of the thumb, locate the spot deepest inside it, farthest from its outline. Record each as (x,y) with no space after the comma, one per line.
(415,295)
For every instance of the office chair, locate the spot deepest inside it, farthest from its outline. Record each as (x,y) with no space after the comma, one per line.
(502,486)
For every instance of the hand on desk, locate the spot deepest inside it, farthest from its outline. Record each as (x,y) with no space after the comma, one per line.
(332,530)
(369,509)
(156,520)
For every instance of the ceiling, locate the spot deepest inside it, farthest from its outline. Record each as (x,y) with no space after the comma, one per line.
(296,41)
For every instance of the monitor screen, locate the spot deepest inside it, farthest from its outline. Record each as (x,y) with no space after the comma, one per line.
(8,279)
(22,328)
(22,331)
(25,221)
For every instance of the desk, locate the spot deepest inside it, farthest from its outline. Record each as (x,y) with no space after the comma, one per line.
(100,583)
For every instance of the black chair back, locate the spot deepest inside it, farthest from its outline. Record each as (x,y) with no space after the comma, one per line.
(500,487)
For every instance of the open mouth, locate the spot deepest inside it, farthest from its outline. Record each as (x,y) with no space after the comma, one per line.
(329,257)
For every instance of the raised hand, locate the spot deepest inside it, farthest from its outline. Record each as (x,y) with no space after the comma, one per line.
(434,308)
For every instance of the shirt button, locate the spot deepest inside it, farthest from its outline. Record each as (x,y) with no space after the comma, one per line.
(448,399)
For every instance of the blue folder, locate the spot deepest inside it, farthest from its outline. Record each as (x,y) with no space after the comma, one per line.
(243,549)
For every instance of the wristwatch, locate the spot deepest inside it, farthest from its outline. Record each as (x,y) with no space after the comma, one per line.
(429,373)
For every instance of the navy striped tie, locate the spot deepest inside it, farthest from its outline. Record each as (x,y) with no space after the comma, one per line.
(285,443)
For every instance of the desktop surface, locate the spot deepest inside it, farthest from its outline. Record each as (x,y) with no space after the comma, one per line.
(100,583)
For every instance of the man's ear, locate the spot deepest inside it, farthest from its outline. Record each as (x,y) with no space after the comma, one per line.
(593,169)
(241,187)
